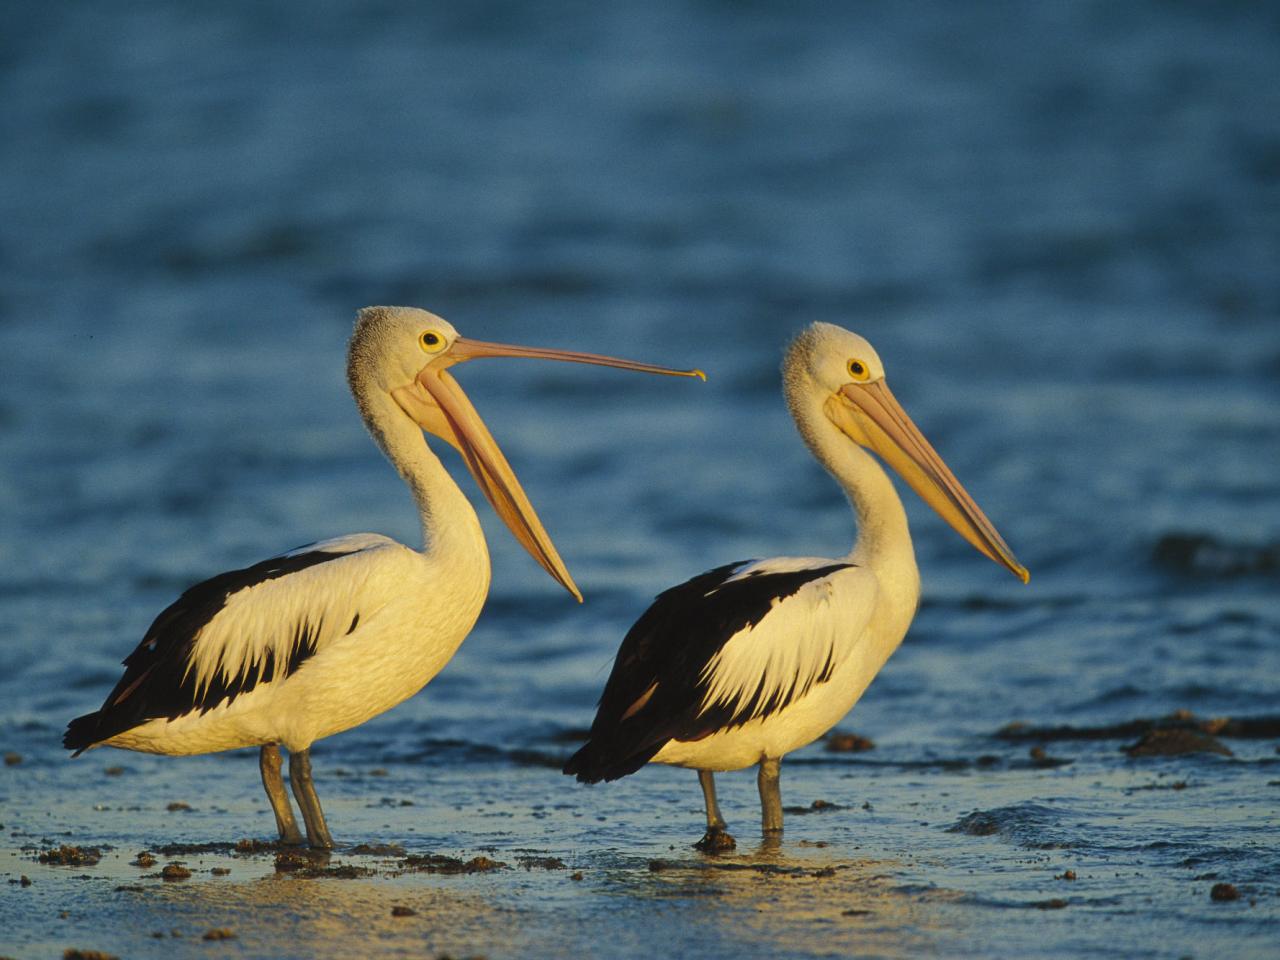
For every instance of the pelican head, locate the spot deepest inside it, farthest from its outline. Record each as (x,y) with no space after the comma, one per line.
(407,353)
(844,372)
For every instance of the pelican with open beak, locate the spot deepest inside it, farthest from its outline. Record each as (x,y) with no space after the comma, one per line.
(752,660)
(326,636)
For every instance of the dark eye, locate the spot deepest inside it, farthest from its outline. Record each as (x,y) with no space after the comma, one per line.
(858,370)
(431,341)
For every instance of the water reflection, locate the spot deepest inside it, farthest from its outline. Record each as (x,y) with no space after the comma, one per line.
(284,916)
(808,899)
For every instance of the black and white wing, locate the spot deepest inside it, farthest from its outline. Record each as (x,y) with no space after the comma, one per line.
(237,630)
(737,643)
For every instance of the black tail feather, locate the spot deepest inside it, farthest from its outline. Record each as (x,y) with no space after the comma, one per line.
(82,733)
(595,762)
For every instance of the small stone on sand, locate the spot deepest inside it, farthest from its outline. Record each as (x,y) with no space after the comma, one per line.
(839,741)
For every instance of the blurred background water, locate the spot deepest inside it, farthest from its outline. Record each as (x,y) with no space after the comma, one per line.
(1059,224)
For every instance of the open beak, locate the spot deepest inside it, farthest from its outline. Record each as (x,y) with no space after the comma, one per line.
(437,403)
(870,415)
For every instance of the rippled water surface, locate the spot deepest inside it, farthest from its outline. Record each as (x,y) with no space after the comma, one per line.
(1058,224)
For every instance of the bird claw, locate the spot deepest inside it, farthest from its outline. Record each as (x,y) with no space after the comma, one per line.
(716,840)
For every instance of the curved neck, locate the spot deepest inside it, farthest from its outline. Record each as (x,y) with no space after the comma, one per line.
(450,527)
(883,542)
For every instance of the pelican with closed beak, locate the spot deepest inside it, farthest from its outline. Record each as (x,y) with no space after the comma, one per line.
(743,664)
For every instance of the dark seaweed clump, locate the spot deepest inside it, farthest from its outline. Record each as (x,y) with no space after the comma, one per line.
(69,856)
(1176,743)
(436,863)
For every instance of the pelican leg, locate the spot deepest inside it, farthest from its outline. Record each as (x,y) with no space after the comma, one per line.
(269,764)
(770,795)
(717,838)
(305,792)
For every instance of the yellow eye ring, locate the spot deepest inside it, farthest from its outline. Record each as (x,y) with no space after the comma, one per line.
(431,341)
(859,371)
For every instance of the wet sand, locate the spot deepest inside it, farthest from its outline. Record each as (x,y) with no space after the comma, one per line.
(965,856)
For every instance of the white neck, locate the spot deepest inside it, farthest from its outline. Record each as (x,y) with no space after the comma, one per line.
(450,528)
(883,542)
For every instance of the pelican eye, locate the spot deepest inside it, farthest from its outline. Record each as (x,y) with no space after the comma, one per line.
(431,341)
(859,371)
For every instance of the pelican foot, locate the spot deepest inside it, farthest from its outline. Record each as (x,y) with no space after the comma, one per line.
(716,840)
(300,860)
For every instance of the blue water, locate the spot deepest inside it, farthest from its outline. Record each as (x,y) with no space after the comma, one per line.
(1060,226)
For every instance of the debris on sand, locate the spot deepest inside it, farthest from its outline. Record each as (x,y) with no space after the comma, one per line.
(436,863)
(143,859)
(287,861)
(818,806)
(399,911)
(841,741)
(541,863)
(12,759)
(249,846)
(377,850)
(1055,904)
(175,871)
(69,856)
(71,953)
(1223,892)
(177,805)
(218,933)
(1175,743)
(314,865)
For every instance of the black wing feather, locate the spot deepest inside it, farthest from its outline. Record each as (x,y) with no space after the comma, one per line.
(671,645)
(156,682)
